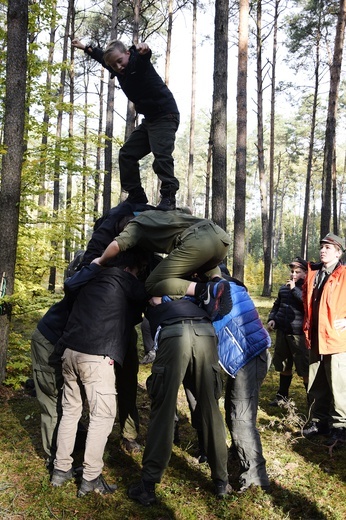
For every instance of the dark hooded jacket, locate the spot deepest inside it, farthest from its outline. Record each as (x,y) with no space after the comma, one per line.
(104,314)
(288,309)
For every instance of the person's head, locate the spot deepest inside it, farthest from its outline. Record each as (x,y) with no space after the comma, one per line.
(298,268)
(331,249)
(116,56)
(134,261)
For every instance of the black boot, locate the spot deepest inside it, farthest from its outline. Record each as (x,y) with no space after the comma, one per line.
(167,202)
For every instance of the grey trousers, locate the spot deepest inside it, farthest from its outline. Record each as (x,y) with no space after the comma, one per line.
(94,376)
(241,405)
(186,350)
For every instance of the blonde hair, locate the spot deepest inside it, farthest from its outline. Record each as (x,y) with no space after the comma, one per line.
(114,45)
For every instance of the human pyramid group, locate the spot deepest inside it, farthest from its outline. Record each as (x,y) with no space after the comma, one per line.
(162,263)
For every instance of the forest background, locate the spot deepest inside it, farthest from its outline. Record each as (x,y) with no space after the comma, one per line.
(260,149)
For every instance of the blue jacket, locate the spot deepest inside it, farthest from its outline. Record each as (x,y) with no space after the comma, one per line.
(240,333)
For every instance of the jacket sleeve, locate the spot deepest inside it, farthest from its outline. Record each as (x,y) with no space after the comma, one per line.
(80,278)
(275,308)
(97,54)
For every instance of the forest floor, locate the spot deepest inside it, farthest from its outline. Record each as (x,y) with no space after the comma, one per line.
(307,479)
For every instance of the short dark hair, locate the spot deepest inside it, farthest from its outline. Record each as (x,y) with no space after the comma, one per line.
(132,258)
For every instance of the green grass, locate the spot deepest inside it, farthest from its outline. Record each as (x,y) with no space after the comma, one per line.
(307,481)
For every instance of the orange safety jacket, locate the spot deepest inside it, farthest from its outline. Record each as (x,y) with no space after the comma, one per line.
(332,306)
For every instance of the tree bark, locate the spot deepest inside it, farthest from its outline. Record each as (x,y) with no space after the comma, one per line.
(329,147)
(219,115)
(16,69)
(240,170)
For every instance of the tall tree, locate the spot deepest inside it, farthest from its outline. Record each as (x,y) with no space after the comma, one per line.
(240,169)
(329,162)
(219,114)
(193,107)
(107,184)
(260,138)
(16,67)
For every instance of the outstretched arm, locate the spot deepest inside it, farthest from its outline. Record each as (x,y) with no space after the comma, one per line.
(111,251)
(78,44)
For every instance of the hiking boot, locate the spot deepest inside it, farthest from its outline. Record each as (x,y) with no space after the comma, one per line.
(131,445)
(167,203)
(278,401)
(222,488)
(337,436)
(143,493)
(137,196)
(99,485)
(216,298)
(149,357)
(59,477)
(316,428)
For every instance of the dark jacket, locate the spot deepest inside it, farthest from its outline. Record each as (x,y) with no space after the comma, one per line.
(107,228)
(52,324)
(174,312)
(104,313)
(288,309)
(142,85)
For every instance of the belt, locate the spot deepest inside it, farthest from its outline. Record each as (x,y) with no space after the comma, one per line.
(191,321)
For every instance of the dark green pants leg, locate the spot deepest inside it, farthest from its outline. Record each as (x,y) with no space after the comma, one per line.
(184,350)
(47,374)
(126,384)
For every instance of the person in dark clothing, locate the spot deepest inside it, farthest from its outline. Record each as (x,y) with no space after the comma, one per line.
(186,353)
(95,337)
(106,228)
(193,245)
(286,317)
(46,363)
(156,133)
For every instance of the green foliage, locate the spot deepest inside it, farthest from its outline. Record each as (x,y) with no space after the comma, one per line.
(18,368)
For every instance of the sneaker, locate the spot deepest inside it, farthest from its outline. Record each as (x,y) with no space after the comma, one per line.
(278,401)
(131,445)
(316,428)
(167,203)
(337,436)
(222,488)
(99,485)
(142,495)
(216,299)
(149,357)
(60,477)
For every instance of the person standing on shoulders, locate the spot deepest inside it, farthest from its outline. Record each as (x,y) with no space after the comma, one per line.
(144,87)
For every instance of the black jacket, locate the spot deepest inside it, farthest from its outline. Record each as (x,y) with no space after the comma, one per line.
(104,313)
(107,228)
(288,309)
(173,312)
(52,324)
(142,85)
